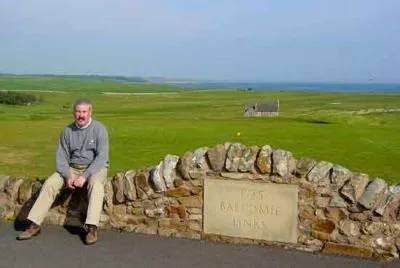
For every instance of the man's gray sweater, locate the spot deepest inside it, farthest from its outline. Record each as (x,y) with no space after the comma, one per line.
(82,146)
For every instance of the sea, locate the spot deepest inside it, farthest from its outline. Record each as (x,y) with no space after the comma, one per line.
(334,87)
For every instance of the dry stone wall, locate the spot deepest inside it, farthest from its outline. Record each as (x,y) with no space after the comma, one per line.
(339,211)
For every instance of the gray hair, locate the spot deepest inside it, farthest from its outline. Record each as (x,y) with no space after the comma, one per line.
(84,102)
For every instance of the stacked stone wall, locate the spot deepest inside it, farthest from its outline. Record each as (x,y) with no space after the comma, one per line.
(340,211)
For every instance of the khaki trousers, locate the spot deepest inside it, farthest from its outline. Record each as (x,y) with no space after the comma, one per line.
(55,183)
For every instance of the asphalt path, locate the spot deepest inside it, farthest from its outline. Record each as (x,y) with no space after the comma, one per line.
(59,247)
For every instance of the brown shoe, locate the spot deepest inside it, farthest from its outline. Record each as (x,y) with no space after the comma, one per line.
(91,235)
(31,231)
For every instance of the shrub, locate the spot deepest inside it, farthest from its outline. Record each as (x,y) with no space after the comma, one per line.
(18,98)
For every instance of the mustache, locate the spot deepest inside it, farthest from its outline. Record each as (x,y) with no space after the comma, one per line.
(81,118)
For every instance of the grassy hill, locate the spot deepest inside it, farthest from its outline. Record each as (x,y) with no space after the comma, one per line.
(80,83)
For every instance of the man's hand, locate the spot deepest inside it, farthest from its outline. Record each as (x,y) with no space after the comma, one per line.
(70,182)
(79,182)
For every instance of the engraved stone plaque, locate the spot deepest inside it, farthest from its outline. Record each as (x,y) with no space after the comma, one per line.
(251,210)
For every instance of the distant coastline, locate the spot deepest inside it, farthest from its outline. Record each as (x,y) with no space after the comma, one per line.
(25,81)
(335,87)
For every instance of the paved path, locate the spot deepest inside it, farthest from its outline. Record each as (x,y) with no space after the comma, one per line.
(59,247)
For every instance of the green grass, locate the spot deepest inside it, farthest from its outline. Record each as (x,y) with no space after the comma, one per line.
(79,84)
(145,128)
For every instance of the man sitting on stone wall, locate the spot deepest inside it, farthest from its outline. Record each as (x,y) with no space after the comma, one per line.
(81,161)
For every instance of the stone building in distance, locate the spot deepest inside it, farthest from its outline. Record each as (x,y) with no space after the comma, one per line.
(266,108)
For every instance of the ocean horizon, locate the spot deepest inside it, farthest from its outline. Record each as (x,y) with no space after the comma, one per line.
(334,87)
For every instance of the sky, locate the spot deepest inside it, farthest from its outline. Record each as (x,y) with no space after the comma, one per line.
(236,40)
